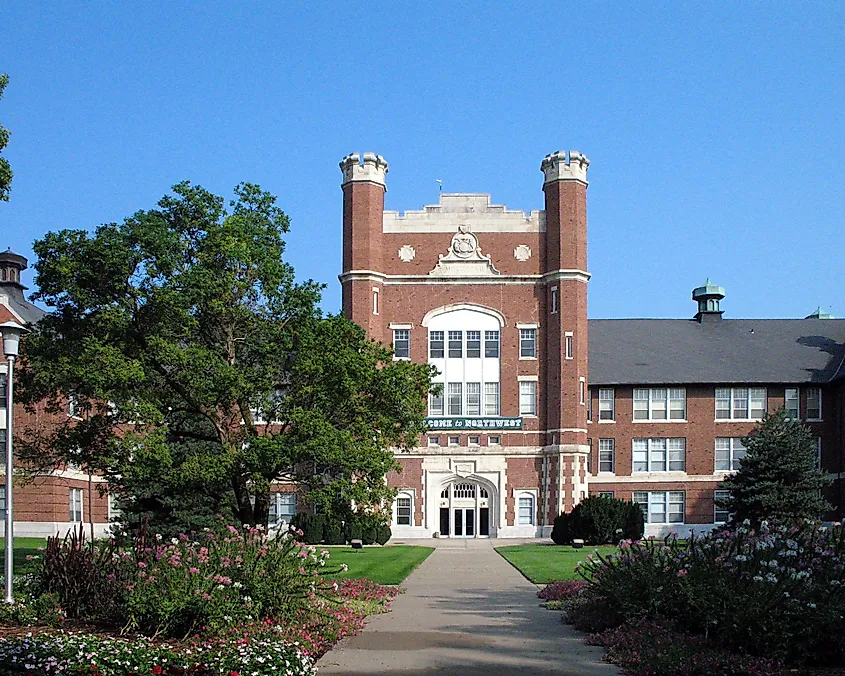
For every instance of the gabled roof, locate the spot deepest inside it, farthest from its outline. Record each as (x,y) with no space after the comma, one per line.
(675,351)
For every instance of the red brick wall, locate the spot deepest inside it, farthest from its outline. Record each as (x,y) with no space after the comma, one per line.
(410,476)
(522,473)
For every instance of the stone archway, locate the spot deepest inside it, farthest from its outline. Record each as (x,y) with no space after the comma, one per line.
(466,507)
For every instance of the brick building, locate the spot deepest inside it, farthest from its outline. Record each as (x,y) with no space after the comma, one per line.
(496,300)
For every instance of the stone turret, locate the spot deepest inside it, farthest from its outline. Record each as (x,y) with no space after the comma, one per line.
(368,167)
(558,167)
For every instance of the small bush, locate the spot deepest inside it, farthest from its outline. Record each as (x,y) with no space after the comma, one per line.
(560,591)
(333,532)
(43,610)
(383,534)
(311,525)
(599,521)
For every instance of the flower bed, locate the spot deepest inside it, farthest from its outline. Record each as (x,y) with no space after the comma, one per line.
(216,603)
(776,593)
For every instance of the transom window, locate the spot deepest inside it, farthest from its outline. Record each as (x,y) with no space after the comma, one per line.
(740,403)
(729,453)
(402,343)
(607,451)
(607,404)
(661,506)
(528,343)
(463,491)
(659,455)
(660,403)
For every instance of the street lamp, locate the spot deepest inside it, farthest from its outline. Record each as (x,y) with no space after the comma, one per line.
(11,341)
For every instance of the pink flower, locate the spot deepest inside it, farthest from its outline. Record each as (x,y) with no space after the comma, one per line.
(682,572)
(193,571)
(141,564)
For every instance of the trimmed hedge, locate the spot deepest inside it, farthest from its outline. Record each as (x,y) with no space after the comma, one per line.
(318,528)
(600,521)
(312,527)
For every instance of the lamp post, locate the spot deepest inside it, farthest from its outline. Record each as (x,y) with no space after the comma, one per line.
(11,341)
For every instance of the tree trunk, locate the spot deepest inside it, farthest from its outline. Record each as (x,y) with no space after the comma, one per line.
(261,510)
(91,505)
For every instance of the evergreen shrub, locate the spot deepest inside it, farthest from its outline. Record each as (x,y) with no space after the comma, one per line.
(599,521)
(333,532)
(311,525)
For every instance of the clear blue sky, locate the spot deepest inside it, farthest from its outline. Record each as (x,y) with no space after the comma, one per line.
(715,130)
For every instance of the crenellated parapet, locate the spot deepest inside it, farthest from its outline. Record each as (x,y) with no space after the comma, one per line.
(560,167)
(368,167)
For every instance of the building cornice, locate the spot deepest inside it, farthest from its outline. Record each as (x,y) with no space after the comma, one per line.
(399,280)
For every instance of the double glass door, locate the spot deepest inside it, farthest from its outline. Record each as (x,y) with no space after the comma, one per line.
(463,522)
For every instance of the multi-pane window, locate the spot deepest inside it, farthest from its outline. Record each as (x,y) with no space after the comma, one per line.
(660,403)
(607,405)
(473,406)
(475,440)
(402,343)
(568,345)
(403,510)
(814,403)
(491,398)
(526,510)
(528,343)
(790,403)
(494,440)
(528,397)
(435,345)
(2,388)
(606,494)
(282,508)
(454,398)
(740,403)
(720,514)
(456,344)
(659,455)
(607,452)
(435,402)
(75,505)
(473,344)
(661,506)
(454,441)
(3,502)
(491,343)
(434,441)
(729,453)
(463,491)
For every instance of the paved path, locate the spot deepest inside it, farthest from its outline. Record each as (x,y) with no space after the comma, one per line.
(466,611)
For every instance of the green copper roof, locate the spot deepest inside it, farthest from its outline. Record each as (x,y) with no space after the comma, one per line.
(819,314)
(709,289)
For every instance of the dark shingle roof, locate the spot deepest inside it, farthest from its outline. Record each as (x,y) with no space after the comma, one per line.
(666,351)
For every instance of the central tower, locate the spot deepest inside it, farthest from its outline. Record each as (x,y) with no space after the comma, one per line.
(496,300)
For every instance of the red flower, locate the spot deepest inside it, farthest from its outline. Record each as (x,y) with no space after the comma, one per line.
(157,669)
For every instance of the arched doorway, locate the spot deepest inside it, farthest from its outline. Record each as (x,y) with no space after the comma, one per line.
(465,509)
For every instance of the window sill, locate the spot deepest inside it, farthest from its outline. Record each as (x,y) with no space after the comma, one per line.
(737,420)
(395,358)
(814,420)
(521,358)
(673,421)
(660,473)
(607,422)
(528,415)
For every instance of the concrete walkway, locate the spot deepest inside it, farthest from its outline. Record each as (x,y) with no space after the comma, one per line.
(466,611)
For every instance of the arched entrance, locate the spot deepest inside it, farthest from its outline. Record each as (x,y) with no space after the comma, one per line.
(466,508)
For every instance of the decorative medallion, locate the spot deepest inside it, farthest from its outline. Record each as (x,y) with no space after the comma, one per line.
(522,252)
(407,253)
(464,243)
(464,258)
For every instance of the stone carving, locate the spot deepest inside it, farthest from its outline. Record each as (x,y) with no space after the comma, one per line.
(522,252)
(407,253)
(464,258)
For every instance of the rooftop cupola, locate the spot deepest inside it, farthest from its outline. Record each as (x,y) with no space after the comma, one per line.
(708,298)
(819,314)
(11,266)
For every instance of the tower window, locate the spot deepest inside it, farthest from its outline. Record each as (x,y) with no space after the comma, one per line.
(528,343)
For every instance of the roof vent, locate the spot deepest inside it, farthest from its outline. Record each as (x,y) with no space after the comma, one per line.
(820,314)
(708,298)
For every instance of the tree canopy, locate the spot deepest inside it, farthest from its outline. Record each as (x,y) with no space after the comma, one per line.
(5,168)
(779,479)
(201,370)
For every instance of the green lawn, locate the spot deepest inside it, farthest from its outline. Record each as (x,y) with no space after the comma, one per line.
(23,548)
(548,563)
(385,565)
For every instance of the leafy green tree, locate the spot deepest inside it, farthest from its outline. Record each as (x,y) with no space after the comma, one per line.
(779,479)
(5,169)
(182,329)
